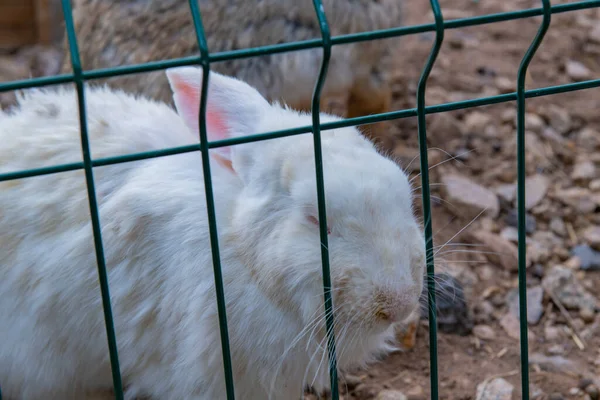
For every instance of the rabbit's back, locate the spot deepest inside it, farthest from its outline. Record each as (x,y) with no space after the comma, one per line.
(51,320)
(113,33)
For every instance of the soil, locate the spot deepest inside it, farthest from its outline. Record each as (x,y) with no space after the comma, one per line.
(479,145)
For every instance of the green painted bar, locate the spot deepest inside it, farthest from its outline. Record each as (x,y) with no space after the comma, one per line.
(522,246)
(89,177)
(316,130)
(210,202)
(426,196)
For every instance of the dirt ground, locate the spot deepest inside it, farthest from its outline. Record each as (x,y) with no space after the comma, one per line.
(473,157)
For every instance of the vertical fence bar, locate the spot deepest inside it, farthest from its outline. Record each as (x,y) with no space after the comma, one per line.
(89,178)
(210,201)
(439,38)
(329,318)
(521,172)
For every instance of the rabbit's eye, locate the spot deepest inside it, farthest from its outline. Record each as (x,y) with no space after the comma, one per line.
(314,220)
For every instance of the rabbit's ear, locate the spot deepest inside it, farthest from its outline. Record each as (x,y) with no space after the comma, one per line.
(233,107)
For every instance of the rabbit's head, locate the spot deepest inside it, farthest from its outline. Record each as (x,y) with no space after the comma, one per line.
(376,247)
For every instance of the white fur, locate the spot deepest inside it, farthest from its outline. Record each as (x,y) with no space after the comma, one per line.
(155,233)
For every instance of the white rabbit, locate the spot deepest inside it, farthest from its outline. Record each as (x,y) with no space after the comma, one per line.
(154,225)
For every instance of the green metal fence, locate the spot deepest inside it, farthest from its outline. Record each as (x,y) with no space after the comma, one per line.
(326,42)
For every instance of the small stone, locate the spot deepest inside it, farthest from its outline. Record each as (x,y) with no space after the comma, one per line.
(507,192)
(416,393)
(556,349)
(470,197)
(584,382)
(594,35)
(584,171)
(535,309)
(588,258)
(558,226)
(552,333)
(534,122)
(563,283)
(594,185)
(537,186)
(587,315)
(495,389)
(511,234)
(512,220)
(482,312)
(574,391)
(538,271)
(505,85)
(577,71)
(559,119)
(578,198)
(500,251)
(511,326)
(592,236)
(352,381)
(484,332)
(476,121)
(391,395)
(556,396)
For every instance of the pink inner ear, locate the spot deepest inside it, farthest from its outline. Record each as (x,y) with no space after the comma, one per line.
(187,99)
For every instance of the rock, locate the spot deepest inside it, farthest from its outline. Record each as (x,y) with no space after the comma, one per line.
(587,315)
(416,393)
(511,326)
(559,364)
(558,226)
(511,234)
(592,236)
(468,197)
(566,287)
(594,185)
(577,71)
(556,349)
(552,333)
(584,171)
(352,381)
(534,122)
(535,309)
(512,220)
(580,199)
(453,314)
(507,192)
(505,85)
(484,332)
(559,119)
(556,396)
(391,395)
(495,389)
(536,188)
(589,259)
(500,251)
(482,312)
(594,35)
(476,122)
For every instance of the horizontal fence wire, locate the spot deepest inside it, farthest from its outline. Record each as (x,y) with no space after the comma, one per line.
(93,203)
(325,42)
(521,210)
